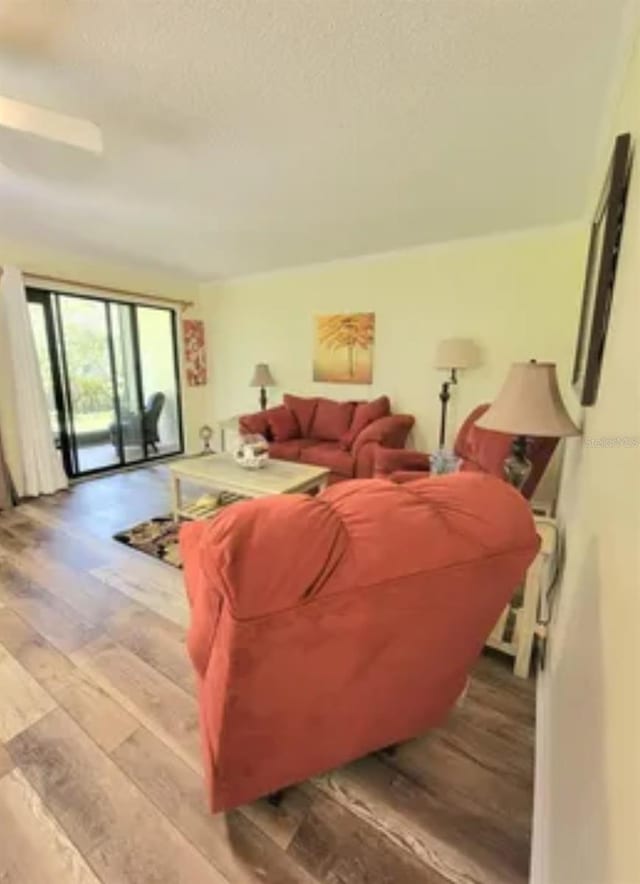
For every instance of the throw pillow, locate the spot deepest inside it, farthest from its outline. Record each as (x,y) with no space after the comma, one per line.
(257,423)
(331,420)
(303,409)
(283,424)
(365,413)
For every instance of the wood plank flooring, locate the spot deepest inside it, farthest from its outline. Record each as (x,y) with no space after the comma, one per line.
(99,759)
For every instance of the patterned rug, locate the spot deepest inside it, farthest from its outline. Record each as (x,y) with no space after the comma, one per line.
(158,537)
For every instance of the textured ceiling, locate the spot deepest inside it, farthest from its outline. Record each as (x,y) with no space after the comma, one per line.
(245,135)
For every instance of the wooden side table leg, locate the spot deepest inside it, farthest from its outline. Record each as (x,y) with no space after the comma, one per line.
(176,497)
(523,657)
(527,620)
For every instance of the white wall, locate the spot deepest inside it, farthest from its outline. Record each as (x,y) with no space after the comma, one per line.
(515,295)
(587,827)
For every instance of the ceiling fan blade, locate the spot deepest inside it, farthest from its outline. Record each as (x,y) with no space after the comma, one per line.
(49,124)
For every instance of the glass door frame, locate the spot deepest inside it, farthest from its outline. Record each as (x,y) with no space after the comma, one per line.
(49,299)
(65,440)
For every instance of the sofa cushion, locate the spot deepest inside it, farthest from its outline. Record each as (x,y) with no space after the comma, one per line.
(283,424)
(289,450)
(330,455)
(303,408)
(365,413)
(331,420)
(255,423)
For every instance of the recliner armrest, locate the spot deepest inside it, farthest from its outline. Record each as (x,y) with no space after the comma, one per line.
(390,431)
(391,460)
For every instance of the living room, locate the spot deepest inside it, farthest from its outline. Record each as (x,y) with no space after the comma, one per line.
(190,222)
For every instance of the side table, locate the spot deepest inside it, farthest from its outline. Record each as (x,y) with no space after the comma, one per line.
(514,632)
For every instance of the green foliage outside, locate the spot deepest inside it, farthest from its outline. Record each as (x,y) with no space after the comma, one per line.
(88,367)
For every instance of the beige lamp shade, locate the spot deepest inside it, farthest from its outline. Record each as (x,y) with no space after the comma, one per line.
(457,353)
(529,404)
(262,377)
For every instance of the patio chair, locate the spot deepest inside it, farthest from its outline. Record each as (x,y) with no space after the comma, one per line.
(135,430)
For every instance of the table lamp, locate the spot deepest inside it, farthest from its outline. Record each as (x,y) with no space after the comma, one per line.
(529,404)
(262,378)
(452,354)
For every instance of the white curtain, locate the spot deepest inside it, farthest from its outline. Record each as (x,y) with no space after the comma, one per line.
(33,461)
(6,486)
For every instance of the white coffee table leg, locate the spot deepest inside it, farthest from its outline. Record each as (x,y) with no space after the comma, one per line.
(176,496)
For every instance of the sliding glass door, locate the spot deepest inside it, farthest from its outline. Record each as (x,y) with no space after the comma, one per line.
(46,340)
(91,401)
(110,372)
(156,334)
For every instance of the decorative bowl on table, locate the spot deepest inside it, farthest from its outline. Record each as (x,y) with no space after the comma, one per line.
(252,452)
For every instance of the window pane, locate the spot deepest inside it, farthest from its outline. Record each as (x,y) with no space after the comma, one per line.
(157,363)
(126,382)
(86,346)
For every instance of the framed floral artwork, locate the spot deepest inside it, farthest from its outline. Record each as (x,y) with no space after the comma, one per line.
(195,352)
(343,348)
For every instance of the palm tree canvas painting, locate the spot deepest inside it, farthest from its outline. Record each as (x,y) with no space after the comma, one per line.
(343,348)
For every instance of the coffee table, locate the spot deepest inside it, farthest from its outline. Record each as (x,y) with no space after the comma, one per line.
(221,473)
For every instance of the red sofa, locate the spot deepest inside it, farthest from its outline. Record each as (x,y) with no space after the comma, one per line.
(342,436)
(479,450)
(324,628)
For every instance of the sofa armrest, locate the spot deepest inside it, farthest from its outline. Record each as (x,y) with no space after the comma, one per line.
(390,432)
(392,460)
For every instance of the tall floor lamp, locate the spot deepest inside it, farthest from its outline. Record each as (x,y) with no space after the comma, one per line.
(529,404)
(453,354)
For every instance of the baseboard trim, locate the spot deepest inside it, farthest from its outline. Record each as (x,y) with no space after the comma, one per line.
(540,834)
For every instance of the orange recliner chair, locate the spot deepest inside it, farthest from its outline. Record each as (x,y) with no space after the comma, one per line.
(324,628)
(479,450)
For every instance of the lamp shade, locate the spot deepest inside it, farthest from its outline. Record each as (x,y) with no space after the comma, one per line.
(457,353)
(262,377)
(529,404)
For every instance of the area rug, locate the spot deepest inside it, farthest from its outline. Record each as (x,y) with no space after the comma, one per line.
(158,537)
